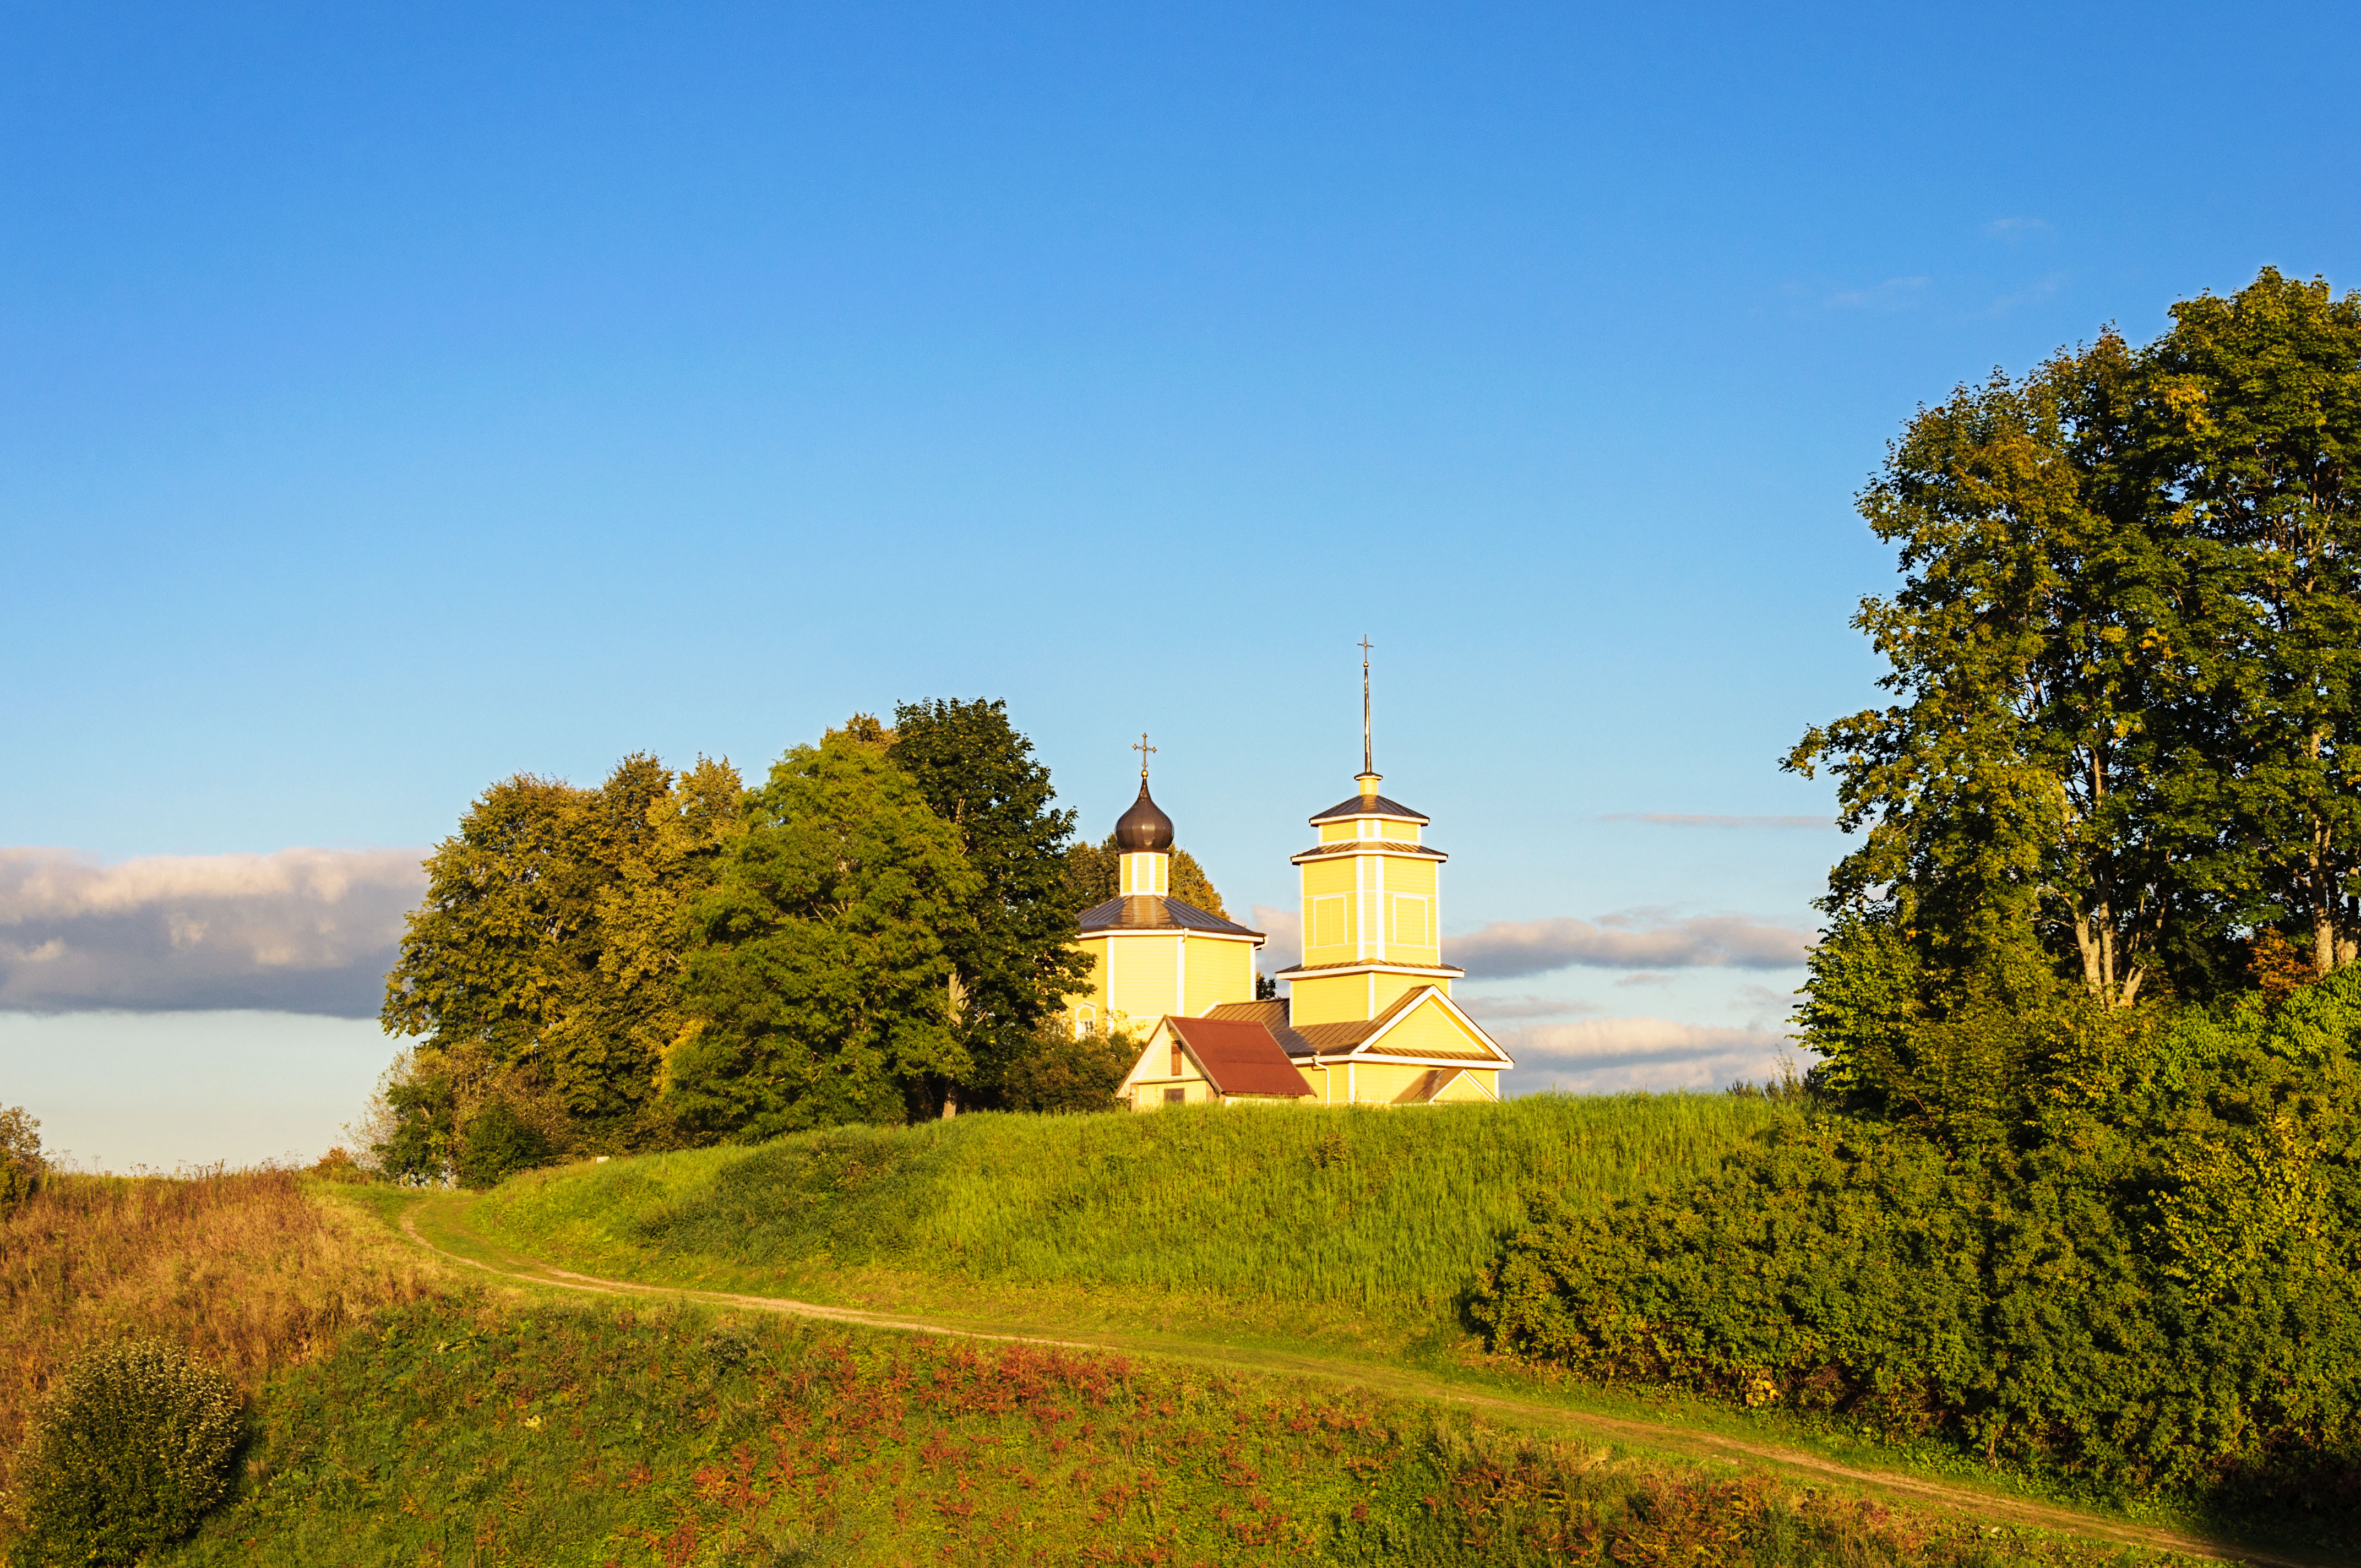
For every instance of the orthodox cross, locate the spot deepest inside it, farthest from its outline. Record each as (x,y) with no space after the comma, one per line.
(1367,764)
(1144,749)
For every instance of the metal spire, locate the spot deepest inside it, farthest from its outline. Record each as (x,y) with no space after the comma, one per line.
(1144,749)
(1368,763)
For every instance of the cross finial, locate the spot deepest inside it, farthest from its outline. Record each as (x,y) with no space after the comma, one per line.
(1145,750)
(1368,763)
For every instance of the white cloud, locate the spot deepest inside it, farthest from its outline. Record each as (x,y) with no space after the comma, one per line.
(1677,819)
(297,931)
(1526,1006)
(1640,941)
(1604,1056)
(2032,293)
(1894,294)
(1285,929)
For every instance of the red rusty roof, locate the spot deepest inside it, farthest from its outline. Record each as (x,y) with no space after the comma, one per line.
(1239,1056)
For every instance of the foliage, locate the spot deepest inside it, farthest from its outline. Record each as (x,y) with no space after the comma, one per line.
(339,1166)
(1390,1208)
(2254,428)
(1095,874)
(238,1266)
(130,1450)
(2144,1288)
(21,1163)
(1014,951)
(1066,1072)
(544,967)
(496,1144)
(822,976)
(2125,655)
(477,1433)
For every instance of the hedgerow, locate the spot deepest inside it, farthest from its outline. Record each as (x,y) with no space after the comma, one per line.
(2146,1292)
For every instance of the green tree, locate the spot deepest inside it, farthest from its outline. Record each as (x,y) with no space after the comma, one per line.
(2007,797)
(2254,422)
(823,966)
(543,967)
(1013,955)
(1065,1073)
(21,1163)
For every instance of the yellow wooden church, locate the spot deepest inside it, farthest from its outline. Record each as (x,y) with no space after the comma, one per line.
(1371,1022)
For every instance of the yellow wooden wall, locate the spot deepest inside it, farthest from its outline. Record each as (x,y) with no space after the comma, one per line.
(1477,1084)
(1219,972)
(1142,984)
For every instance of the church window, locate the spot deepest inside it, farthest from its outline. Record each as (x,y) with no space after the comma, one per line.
(1328,921)
(1175,1096)
(1085,1019)
(1176,1062)
(1410,921)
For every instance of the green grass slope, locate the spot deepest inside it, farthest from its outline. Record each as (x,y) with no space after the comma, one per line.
(484,1429)
(1385,1211)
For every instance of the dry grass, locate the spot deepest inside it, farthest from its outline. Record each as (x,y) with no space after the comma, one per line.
(243,1267)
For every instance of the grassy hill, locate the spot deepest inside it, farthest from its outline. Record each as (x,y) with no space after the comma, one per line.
(403,1412)
(1383,1215)
(478,1430)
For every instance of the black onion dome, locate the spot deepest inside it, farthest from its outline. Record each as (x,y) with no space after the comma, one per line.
(1145,825)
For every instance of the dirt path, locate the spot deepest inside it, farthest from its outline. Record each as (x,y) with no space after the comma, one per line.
(1990,1508)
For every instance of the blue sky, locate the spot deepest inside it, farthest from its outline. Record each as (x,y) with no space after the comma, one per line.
(392,401)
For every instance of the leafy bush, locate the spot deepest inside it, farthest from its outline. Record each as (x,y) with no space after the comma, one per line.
(1062,1073)
(20,1157)
(129,1452)
(2148,1292)
(498,1143)
(338,1164)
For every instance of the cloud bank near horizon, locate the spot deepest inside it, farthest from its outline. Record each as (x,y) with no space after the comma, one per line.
(1509,949)
(295,931)
(1608,1056)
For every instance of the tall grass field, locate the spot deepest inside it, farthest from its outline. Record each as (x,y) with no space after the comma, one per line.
(474,1431)
(1372,1208)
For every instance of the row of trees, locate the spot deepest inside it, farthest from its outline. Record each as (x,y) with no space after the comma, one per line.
(881,929)
(2120,766)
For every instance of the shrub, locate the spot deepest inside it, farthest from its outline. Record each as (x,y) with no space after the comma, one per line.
(1063,1073)
(20,1157)
(338,1164)
(128,1453)
(498,1143)
(2146,1292)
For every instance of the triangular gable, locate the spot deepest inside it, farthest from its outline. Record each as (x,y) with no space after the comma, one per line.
(1398,1029)
(1443,1085)
(1234,1056)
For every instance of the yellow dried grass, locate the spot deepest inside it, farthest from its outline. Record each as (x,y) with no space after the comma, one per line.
(245,1268)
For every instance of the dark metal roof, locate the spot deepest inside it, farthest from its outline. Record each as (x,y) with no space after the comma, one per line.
(1272,1015)
(1364,847)
(1150,912)
(1239,1056)
(1334,1039)
(1452,970)
(1144,826)
(1337,1039)
(1370,806)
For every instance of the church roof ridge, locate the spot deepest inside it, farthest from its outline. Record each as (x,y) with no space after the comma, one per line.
(1370,806)
(1156,912)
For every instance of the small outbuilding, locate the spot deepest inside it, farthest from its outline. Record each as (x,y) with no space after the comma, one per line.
(1226,1061)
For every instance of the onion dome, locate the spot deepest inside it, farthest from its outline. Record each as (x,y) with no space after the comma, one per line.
(1143,826)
